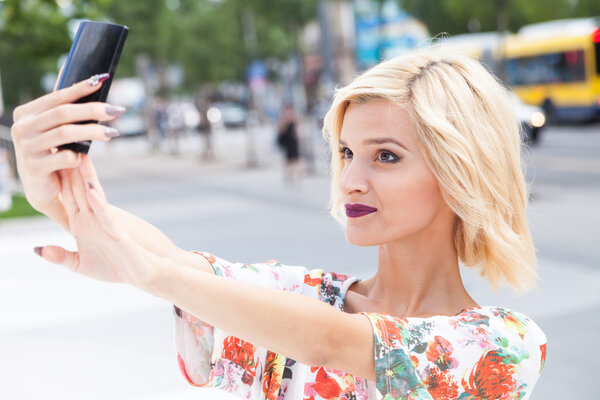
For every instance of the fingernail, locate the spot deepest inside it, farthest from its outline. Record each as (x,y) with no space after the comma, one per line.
(111,132)
(115,110)
(90,185)
(38,251)
(97,79)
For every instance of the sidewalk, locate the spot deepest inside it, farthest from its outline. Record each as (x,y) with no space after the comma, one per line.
(64,336)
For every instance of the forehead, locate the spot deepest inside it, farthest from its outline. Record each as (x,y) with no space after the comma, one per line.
(377,119)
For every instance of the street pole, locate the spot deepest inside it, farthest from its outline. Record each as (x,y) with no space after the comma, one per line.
(251,44)
(502,26)
(328,73)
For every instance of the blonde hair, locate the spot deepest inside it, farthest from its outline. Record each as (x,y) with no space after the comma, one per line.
(470,140)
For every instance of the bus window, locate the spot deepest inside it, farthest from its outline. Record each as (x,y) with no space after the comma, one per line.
(566,66)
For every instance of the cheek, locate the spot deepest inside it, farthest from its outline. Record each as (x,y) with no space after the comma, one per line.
(413,198)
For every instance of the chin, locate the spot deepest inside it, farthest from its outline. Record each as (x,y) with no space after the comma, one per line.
(360,239)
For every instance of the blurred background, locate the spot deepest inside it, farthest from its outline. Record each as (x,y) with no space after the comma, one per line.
(221,149)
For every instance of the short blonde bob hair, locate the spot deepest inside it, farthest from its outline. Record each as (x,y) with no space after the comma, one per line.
(470,140)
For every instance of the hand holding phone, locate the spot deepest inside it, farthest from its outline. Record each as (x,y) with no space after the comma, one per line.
(95,51)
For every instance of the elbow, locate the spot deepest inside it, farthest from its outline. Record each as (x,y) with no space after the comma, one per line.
(318,357)
(322,351)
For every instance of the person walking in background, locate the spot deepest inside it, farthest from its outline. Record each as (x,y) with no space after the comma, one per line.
(425,165)
(206,131)
(287,139)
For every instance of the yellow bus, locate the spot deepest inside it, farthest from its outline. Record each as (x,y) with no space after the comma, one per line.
(556,65)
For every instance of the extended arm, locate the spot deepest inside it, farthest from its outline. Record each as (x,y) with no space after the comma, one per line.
(299,327)
(296,326)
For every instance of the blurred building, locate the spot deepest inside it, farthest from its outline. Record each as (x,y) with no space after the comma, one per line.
(351,36)
(384,30)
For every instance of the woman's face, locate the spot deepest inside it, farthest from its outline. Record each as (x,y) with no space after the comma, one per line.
(388,191)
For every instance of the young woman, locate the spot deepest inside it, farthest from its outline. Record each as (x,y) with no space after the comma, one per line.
(425,166)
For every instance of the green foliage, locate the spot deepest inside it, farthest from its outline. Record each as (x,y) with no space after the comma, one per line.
(20,208)
(206,37)
(452,16)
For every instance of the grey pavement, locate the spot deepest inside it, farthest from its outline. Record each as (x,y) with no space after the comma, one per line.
(64,336)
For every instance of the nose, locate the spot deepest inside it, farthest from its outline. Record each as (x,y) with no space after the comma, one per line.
(354,178)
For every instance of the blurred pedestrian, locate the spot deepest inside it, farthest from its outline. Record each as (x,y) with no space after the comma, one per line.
(425,165)
(206,130)
(160,115)
(287,139)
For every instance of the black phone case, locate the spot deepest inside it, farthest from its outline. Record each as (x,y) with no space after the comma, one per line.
(96,49)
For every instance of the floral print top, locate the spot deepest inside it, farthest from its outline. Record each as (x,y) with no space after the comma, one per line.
(482,353)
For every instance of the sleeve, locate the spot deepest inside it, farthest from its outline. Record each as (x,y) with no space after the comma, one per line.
(490,353)
(530,368)
(395,374)
(211,357)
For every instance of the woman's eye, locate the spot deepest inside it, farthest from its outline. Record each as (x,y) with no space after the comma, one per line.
(386,156)
(345,153)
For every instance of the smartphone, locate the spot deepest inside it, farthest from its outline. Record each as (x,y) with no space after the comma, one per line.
(96,49)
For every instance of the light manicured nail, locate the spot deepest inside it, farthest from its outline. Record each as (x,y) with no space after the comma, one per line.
(111,132)
(38,251)
(97,79)
(115,110)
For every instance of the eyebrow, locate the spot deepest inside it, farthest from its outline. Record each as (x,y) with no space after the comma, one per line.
(382,140)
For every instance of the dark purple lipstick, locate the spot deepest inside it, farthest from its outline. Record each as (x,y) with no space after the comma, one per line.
(358,210)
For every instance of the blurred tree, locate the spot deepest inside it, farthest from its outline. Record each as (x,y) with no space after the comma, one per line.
(452,16)
(204,36)
(34,34)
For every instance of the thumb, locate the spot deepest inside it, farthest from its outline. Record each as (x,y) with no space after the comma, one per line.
(58,255)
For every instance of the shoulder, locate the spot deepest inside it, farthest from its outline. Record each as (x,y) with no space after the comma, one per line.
(518,333)
(468,350)
(505,323)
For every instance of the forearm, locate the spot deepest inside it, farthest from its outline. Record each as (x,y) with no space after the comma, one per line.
(284,322)
(153,240)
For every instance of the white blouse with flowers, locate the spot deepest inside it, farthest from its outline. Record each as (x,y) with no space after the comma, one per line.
(483,353)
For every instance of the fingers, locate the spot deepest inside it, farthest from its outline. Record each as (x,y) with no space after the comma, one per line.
(88,172)
(58,255)
(78,186)
(50,163)
(100,208)
(70,113)
(63,96)
(66,193)
(68,134)
(58,78)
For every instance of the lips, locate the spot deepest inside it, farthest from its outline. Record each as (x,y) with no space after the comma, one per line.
(358,210)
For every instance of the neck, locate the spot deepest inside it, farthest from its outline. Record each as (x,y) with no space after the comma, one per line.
(418,277)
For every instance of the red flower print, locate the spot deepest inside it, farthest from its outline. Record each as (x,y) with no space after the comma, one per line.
(415,361)
(211,259)
(440,352)
(187,377)
(440,385)
(543,356)
(491,378)
(310,281)
(272,376)
(391,334)
(324,385)
(240,352)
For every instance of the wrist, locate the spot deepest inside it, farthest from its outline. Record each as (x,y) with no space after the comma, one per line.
(154,279)
(55,211)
